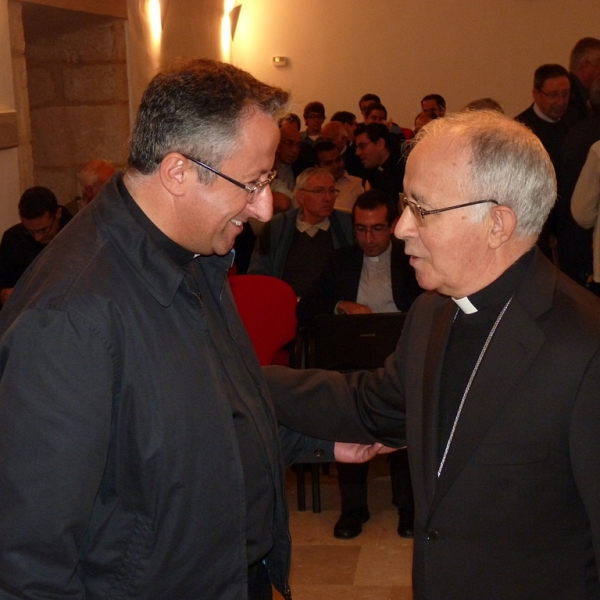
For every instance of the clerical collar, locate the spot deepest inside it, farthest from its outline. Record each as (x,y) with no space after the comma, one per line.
(385,256)
(541,115)
(499,291)
(308,228)
(178,254)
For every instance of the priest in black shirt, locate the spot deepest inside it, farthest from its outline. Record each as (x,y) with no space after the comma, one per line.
(495,377)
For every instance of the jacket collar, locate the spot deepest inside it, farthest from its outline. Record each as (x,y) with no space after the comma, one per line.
(159,261)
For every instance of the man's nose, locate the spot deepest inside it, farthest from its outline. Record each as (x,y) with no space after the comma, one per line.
(406,225)
(262,206)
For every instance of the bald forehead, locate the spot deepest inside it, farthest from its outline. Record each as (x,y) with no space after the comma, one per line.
(333,129)
(320,179)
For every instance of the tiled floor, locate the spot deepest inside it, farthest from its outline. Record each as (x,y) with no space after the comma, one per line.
(375,565)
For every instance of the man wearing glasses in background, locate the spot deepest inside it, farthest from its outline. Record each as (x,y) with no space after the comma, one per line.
(497,375)
(372,277)
(41,219)
(296,245)
(139,451)
(550,118)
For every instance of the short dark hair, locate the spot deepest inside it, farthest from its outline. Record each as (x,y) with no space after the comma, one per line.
(545,72)
(196,107)
(36,201)
(371,97)
(375,106)
(582,49)
(314,107)
(290,118)
(439,99)
(324,146)
(372,199)
(375,132)
(343,116)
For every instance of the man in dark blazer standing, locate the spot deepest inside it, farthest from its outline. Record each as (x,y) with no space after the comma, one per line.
(372,277)
(497,374)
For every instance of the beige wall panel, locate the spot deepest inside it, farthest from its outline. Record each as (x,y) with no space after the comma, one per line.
(404,49)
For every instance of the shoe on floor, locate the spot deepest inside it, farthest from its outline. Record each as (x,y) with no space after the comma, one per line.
(349,524)
(406,525)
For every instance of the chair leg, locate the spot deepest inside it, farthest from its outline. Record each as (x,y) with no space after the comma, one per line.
(316,488)
(301,487)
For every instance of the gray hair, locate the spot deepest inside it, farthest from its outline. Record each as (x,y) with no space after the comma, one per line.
(196,108)
(508,164)
(587,48)
(304,177)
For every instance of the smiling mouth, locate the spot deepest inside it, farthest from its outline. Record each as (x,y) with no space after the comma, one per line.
(237,222)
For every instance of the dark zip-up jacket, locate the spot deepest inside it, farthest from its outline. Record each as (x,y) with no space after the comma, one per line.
(120,470)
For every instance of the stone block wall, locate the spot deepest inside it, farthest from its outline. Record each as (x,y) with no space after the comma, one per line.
(78,100)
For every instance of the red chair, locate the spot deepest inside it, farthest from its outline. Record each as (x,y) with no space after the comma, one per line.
(409,134)
(267,306)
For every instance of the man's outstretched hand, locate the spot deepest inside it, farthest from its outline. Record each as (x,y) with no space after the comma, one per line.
(358,453)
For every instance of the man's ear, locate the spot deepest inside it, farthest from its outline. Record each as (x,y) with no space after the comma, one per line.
(503,224)
(175,173)
(59,212)
(380,143)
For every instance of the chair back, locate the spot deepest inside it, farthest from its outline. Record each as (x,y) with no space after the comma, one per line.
(267,307)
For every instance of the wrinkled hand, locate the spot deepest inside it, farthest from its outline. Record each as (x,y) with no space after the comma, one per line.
(358,453)
(346,307)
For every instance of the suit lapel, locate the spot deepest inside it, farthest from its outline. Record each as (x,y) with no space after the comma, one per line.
(514,346)
(434,358)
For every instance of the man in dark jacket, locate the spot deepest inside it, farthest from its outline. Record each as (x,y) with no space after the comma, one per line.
(140,456)
(41,219)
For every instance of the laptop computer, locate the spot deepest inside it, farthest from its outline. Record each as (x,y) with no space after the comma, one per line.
(352,342)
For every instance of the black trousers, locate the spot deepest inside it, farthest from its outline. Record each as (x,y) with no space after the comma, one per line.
(352,480)
(259,583)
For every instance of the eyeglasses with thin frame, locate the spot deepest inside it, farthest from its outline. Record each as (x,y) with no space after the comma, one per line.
(420,213)
(252,191)
(44,231)
(378,229)
(321,191)
(564,95)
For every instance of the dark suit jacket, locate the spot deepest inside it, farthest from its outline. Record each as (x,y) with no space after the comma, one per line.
(341,278)
(515,514)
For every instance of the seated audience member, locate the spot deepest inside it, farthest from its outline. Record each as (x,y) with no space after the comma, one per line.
(380,154)
(584,69)
(375,113)
(483,104)
(434,104)
(314,115)
(352,163)
(585,205)
(91,177)
(41,219)
(550,118)
(348,120)
(295,245)
(290,118)
(286,155)
(364,101)
(574,242)
(374,276)
(348,186)
(421,120)
(335,132)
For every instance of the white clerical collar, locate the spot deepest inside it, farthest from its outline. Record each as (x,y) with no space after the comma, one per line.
(384,256)
(310,229)
(465,305)
(541,115)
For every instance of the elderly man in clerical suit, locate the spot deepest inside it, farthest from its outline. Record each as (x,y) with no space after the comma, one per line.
(497,374)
